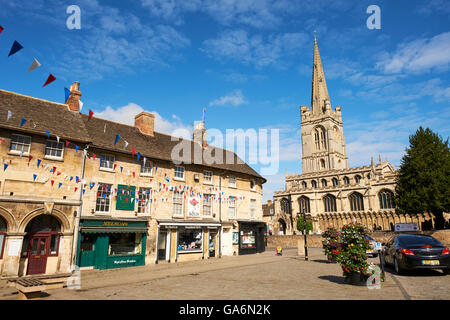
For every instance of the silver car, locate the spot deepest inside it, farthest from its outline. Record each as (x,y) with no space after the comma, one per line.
(375,247)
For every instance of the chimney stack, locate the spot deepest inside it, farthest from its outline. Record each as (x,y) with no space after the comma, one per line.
(145,122)
(75,95)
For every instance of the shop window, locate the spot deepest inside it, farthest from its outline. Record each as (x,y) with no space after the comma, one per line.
(103,198)
(207,177)
(107,162)
(248,240)
(189,240)
(178,203)
(231,207)
(179,173)
(144,200)
(20,144)
(2,236)
(126,197)
(147,168)
(125,244)
(207,205)
(54,149)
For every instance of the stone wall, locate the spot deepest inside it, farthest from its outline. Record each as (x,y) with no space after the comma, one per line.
(315,240)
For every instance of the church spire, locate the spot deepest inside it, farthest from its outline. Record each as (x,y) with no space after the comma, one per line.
(319,95)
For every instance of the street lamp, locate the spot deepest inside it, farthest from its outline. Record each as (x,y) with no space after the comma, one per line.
(304,233)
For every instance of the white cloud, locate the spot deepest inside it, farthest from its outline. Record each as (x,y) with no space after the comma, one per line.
(236,98)
(255,50)
(126,114)
(421,55)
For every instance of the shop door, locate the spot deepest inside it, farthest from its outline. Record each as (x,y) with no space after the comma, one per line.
(37,255)
(87,250)
(162,246)
(212,244)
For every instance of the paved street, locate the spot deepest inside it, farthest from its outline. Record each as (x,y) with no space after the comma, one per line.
(262,276)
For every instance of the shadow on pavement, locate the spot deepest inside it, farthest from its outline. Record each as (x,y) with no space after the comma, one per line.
(416,273)
(321,261)
(335,279)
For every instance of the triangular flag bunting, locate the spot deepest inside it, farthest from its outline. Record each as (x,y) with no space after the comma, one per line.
(9,115)
(34,177)
(67,143)
(5,166)
(50,79)
(48,133)
(16,47)
(1,29)
(80,103)
(117,139)
(67,94)
(38,163)
(91,114)
(22,122)
(34,65)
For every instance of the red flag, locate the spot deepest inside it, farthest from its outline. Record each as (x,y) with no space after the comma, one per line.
(30,158)
(115,165)
(54,170)
(50,79)
(93,155)
(52,182)
(1,29)
(67,143)
(76,189)
(58,173)
(133,150)
(133,175)
(91,114)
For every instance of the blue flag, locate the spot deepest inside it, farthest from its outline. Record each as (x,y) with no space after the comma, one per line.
(38,163)
(16,47)
(76,148)
(60,184)
(34,177)
(67,94)
(23,122)
(48,133)
(84,191)
(71,178)
(117,139)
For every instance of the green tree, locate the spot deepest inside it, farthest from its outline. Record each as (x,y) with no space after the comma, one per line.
(423,178)
(301,225)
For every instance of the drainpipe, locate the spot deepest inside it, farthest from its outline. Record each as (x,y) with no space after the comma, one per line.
(220,216)
(157,239)
(77,220)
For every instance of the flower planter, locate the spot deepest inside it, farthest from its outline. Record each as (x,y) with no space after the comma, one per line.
(355,279)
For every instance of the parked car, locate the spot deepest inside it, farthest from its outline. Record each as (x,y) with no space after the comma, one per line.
(375,247)
(412,251)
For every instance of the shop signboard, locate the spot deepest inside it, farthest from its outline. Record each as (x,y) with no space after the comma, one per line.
(399,227)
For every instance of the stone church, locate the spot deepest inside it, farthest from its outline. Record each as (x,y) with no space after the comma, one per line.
(328,191)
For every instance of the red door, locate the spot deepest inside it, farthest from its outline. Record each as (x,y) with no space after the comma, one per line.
(37,254)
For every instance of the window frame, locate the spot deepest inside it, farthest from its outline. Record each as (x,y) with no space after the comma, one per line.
(176,192)
(207,204)
(175,173)
(101,197)
(231,201)
(104,157)
(354,205)
(304,201)
(46,156)
(252,208)
(146,174)
(232,185)
(330,203)
(147,197)
(211,176)
(385,198)
(15,151)
(254,185)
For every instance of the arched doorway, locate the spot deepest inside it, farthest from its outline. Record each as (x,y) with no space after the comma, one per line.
(40,242)
(282,227)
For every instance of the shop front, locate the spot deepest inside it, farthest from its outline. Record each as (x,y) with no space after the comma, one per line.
(251,237)
(109,244)
(187,240)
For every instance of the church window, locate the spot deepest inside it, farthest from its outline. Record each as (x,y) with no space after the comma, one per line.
(314,184)
(386,198)
(322,164)
(324,183)
(356,201)
(358,179)
(285,206)
(346,181)
(329,203)
(304,204)
(304,185)
(335,182)
(320,138)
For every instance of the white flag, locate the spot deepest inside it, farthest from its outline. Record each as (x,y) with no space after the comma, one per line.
(145,160)
(81,105)
(126,145)
(34,65)
(9,115)
(57,139)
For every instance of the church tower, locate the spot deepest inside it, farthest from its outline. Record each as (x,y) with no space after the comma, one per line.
(323,142)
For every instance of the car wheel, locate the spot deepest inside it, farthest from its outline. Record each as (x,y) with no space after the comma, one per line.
(446,271)
(397,268)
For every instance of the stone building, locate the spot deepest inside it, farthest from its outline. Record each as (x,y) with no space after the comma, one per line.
(268,217)
(328,191)
(83,190)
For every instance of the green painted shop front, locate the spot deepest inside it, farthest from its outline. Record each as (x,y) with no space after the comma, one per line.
(109,244)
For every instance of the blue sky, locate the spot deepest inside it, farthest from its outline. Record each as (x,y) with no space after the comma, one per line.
(249,62)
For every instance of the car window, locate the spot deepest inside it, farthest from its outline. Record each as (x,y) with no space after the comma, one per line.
(415,241)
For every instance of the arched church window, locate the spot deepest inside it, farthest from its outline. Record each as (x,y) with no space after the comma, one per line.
(356,201)
(304,185)
(2,236)
(320,138)
(314,184)
(285,206)
(335,182)
(329,203)
(324,183)
(346,181)
(322,164)
(386,198)
(357,179)
(304,204)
